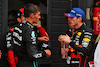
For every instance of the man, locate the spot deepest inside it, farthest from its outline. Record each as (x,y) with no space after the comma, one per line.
(12,58)
(20,15)
(82,41)
(25,38)
(42,32)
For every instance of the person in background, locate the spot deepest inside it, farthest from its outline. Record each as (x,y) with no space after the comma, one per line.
(82,41)
(97,52)
(26,43)
(12,58)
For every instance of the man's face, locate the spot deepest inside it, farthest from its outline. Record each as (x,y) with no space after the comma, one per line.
(37,16)
(72,22)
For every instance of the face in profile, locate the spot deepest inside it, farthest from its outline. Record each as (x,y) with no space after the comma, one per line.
(37,17)
(72,22)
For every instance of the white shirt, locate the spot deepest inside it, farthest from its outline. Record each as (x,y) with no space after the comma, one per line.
(97,55)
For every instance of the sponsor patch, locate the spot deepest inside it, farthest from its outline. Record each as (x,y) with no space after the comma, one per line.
(33,34)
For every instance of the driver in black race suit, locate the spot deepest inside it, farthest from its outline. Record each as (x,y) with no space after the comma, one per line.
(25,38)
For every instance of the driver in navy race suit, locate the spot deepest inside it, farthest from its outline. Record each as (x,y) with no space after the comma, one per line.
(18,47)
(81,41)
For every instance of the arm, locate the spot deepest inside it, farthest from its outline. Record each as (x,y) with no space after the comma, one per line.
(10,53)
(44,37)
(48,53)
(11,58)
(86,46)
(42,31)
(46,47)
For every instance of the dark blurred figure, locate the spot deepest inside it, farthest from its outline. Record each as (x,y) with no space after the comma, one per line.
(12,58)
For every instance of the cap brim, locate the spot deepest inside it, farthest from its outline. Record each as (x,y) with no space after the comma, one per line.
(69,15)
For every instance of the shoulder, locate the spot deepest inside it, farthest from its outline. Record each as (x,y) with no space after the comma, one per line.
(87,29)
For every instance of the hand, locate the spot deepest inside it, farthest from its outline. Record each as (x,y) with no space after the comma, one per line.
(93,65)
(38,24)
(64,51)
(59,38)
(62,43)
(48,52)
(0,54)
(43,38)
(64,38)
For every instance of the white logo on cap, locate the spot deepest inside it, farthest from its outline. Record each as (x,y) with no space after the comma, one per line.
(78,14)
(73,11)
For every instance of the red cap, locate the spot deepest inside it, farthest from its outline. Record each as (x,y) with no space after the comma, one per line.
(20,12)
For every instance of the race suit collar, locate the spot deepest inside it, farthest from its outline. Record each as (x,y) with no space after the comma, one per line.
(81,27)
(28,23)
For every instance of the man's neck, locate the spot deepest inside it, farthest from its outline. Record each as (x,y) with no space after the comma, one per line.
(29,20)
(79,25)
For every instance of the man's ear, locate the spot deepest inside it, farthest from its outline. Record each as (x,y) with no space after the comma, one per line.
(80,18)
(19,20)
(32,15)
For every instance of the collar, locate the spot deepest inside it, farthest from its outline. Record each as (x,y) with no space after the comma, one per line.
(28,23)
(24,21)
(82,26)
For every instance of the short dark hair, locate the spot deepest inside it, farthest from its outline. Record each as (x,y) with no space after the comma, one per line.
(83,20)
(30,8)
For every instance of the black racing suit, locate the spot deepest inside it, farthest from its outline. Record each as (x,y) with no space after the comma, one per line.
(25,44)
(81,47)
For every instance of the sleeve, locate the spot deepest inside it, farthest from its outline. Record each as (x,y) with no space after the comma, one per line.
(87,45)
(42,31)
(9,40)
(11,58)
(31,45)
(46,45)
(10,53)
